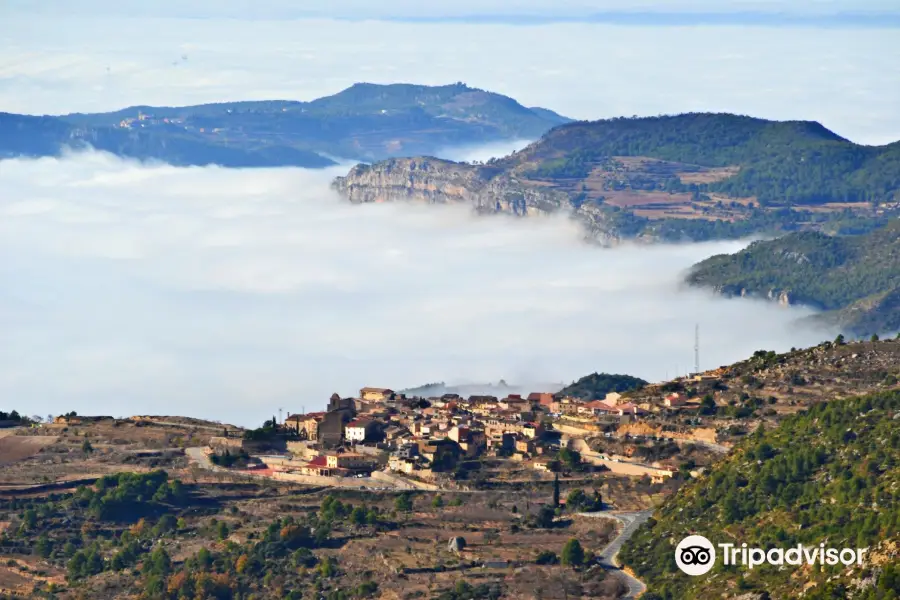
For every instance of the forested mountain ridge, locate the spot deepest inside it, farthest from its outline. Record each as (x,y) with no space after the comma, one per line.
(855,278)
(789,162)
(363,122)
(696,176)
(827,475)
(596,385)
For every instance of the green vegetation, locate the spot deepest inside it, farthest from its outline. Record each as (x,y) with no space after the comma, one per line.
(596,385)
(572,554)
(579,501)
(128,496)
(856,277)
(769,221)
(793,162)
(287,133)
(404,503)
(466,591)
(12,416)
(84,533)
(268,431)
(227,459)
(79,530)
(828,474)
(570,460)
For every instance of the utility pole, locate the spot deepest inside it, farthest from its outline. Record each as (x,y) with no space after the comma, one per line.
(697,349)
(280,417)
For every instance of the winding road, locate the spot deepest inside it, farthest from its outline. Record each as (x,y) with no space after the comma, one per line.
(631,521)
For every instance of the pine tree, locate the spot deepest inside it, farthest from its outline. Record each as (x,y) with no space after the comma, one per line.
(572,553)
(556,491)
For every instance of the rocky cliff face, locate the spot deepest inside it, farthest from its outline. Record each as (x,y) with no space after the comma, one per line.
(487,190)
(782,297)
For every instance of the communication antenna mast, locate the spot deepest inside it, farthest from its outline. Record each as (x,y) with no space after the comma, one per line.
(697,349)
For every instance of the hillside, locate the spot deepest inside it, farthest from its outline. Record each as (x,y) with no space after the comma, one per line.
(856,279)
(695,176)
(95,507)
(791,162)
(596,385)
(363,122)
(828,475)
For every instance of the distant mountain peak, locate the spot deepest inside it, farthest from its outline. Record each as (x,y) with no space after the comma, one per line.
(366,122)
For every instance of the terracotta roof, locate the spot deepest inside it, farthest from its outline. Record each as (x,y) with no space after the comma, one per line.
(319,461)
(599,405)
(359,423)
(315,415)
(351,455)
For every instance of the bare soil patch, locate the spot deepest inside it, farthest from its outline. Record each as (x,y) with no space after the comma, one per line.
(14,448)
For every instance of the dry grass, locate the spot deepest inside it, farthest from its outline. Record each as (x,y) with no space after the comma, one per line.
(14,448)
(708,175)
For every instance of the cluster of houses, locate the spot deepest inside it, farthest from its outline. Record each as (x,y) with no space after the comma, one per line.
(423,436)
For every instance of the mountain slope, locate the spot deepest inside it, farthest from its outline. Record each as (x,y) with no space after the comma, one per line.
(27,136)
(697,176)
(829,475)
(596,385)
(363,122)
(856,278)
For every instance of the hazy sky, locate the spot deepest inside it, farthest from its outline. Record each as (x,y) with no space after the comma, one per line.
(399,9)
(104,59)
(129,289)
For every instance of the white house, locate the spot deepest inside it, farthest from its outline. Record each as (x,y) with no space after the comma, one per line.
(358,431)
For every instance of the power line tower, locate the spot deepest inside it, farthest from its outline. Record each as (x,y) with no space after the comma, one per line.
(697,349)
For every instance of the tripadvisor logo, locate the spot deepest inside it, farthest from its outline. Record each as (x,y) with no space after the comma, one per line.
(696,555)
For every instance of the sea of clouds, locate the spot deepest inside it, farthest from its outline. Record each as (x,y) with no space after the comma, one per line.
(129,289)
(132,288)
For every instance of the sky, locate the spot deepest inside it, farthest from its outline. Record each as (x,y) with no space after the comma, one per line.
(134,289)
(442,9)
(98,55)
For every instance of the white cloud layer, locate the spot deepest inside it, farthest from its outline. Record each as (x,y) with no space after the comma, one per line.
(846,78)
(129,289)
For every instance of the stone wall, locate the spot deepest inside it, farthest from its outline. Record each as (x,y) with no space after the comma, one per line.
(701,434)
(302,450)
(348,482)
(221,444)
(402,482)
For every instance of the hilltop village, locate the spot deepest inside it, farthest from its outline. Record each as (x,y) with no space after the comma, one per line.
(425,443)
(653,432)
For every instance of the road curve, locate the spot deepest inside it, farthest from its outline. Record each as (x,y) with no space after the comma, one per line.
(631,521)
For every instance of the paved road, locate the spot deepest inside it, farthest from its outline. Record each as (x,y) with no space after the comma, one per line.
(199,458)
(609,557)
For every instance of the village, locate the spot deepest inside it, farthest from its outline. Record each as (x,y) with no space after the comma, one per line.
(384,439)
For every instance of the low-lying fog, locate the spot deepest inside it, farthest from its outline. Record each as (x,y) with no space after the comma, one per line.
(129,289)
